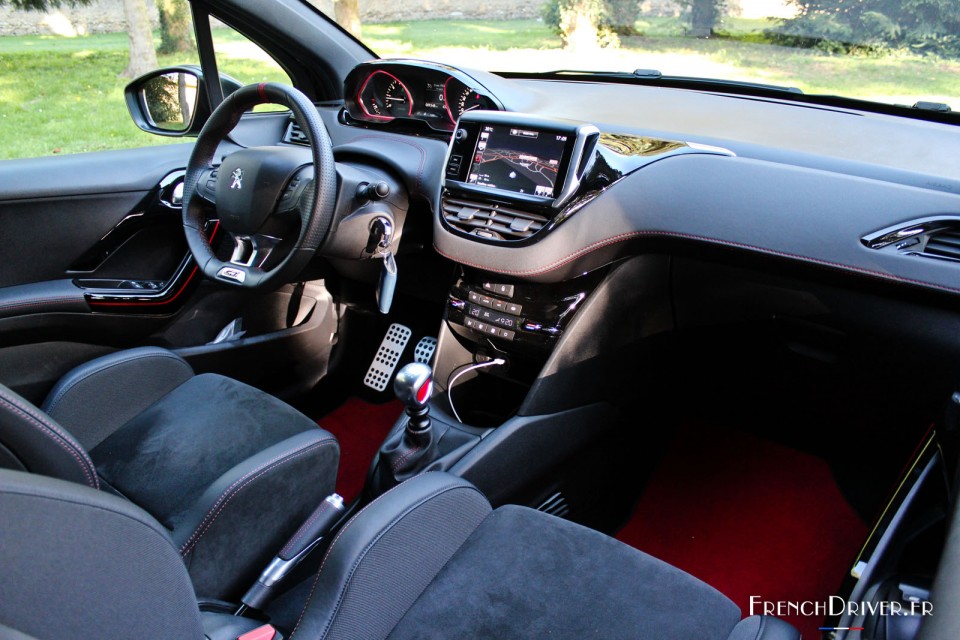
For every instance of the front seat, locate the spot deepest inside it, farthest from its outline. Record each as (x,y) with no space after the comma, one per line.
(228,470)
(428,559)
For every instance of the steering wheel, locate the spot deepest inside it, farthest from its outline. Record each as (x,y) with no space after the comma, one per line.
(254,186)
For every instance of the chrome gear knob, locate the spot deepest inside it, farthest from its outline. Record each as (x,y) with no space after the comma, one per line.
(414,386)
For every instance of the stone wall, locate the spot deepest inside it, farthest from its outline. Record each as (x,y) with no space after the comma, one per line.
(398,10)
(100,16)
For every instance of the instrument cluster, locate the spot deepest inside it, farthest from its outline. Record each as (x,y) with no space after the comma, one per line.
(384,92)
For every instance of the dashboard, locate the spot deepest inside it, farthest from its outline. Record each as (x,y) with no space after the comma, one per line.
(797,182)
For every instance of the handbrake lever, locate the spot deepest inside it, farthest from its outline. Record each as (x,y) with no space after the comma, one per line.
(308,536)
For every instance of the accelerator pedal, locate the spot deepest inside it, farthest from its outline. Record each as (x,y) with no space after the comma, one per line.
(423,352)
(388,355)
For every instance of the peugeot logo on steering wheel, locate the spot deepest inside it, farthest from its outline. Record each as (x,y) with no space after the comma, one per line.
(237,176)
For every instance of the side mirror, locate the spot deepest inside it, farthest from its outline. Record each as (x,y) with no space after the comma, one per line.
(172,101)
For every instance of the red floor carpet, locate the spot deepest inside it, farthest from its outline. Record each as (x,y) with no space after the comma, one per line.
(749,517)
(360,427)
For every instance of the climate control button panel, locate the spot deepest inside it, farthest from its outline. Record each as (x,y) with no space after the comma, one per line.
(521,314)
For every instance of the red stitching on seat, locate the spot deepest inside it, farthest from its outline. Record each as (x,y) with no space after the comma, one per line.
(323,563)
(238,486)
(48,430)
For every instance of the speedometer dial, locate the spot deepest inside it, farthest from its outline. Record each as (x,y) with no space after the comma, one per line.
(384,97)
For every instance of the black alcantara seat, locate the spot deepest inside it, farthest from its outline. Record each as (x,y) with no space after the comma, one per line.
(428,559)
(227,470)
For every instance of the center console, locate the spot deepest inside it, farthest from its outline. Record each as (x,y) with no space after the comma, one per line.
(507,176)
(548,338)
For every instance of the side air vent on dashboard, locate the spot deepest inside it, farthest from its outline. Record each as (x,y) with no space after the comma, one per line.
(934,237)
(490,220)
(944,243)
(295,134)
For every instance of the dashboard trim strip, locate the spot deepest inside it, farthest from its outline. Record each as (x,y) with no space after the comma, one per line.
(687,236)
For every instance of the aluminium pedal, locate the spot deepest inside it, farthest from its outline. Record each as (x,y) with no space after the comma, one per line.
(423,353)
(556,505)
(388,355)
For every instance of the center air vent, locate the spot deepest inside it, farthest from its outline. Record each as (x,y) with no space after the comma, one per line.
(944,243)
(491,221)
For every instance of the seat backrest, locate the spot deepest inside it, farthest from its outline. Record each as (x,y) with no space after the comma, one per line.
(79,563)
(384,557)
(30,440)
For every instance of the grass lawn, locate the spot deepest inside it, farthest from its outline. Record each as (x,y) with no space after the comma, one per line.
(63,95)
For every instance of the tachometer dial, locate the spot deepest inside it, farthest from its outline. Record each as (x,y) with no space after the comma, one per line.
(460,98)
(384,96)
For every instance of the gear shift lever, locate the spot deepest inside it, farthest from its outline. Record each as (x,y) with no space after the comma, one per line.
(405,453)
(414,386)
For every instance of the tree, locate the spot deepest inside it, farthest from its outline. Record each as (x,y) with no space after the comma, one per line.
(143,57)
(176,28)
(704,16)
(347,15)
(835,25)
(582,24)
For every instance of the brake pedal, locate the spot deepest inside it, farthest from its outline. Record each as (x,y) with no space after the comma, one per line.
(423,352)
(388,355)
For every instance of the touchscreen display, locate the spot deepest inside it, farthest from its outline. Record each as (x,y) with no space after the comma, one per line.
(519,160)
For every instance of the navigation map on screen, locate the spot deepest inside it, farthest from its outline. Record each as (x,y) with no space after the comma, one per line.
(518,160)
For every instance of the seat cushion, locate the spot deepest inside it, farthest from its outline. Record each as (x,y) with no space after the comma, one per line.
(168,455)
(524,574)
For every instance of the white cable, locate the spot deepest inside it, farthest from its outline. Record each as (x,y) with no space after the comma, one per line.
(472,367)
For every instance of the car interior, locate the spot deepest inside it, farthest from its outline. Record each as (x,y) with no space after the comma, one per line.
(434,352)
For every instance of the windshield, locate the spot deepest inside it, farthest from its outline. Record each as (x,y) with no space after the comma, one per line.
(891,51)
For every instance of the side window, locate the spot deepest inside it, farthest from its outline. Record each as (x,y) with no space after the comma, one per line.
(244,61)
(61,82)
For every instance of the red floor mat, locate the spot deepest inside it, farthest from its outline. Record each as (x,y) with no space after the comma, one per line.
(749,517)
(360,427)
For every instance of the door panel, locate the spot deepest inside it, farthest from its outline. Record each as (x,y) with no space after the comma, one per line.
(54,210)
(44,236)
(96,260)
(92,219)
